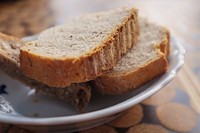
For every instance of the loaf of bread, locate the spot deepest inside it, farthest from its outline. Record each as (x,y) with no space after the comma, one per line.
(81,49)
(78,94)
(145,61)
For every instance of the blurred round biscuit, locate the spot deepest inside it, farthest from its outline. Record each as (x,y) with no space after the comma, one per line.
(161,97)
(147,128)
(177,117)
(132,117)
(195,106)
(100,129)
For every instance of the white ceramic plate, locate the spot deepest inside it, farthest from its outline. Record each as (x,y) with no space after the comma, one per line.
(20,106)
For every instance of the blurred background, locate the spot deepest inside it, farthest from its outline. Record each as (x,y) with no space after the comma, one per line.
(22,18)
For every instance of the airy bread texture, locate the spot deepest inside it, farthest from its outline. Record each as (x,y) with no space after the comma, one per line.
(145,61)
(81,49)
(78,94)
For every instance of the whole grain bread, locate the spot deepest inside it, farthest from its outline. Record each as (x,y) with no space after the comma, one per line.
(145,61)
(81,49)
(78,94)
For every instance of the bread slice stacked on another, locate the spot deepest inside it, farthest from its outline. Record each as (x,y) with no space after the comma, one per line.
(78,94)
(145,61)
(81,49)
(104,48)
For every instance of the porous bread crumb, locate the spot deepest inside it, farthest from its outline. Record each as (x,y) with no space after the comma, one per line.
(143,51)
(145,61)
(81,49)
(77,36)
(78,94)
(9,47)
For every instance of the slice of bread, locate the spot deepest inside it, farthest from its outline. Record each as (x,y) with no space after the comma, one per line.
(145,61)
(78,94)
(81,49)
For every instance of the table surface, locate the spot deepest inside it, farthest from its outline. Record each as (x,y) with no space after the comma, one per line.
(175,108)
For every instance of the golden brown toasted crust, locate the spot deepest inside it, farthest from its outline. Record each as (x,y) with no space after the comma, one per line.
(120,83)
(125,82)
(165,46)
(63,72)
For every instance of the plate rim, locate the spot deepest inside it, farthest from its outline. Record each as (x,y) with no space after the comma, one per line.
(167,77)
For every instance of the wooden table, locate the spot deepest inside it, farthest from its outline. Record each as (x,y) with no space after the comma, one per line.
(174,109)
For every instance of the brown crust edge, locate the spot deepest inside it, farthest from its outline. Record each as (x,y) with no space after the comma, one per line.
(63,72)
(125,82)
(117,85)
(78,94)
(7,64)
(164,46)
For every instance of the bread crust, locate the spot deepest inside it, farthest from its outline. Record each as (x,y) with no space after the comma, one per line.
(78,94)
(124,82)
(63,72)
(5,58)
(164,46)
